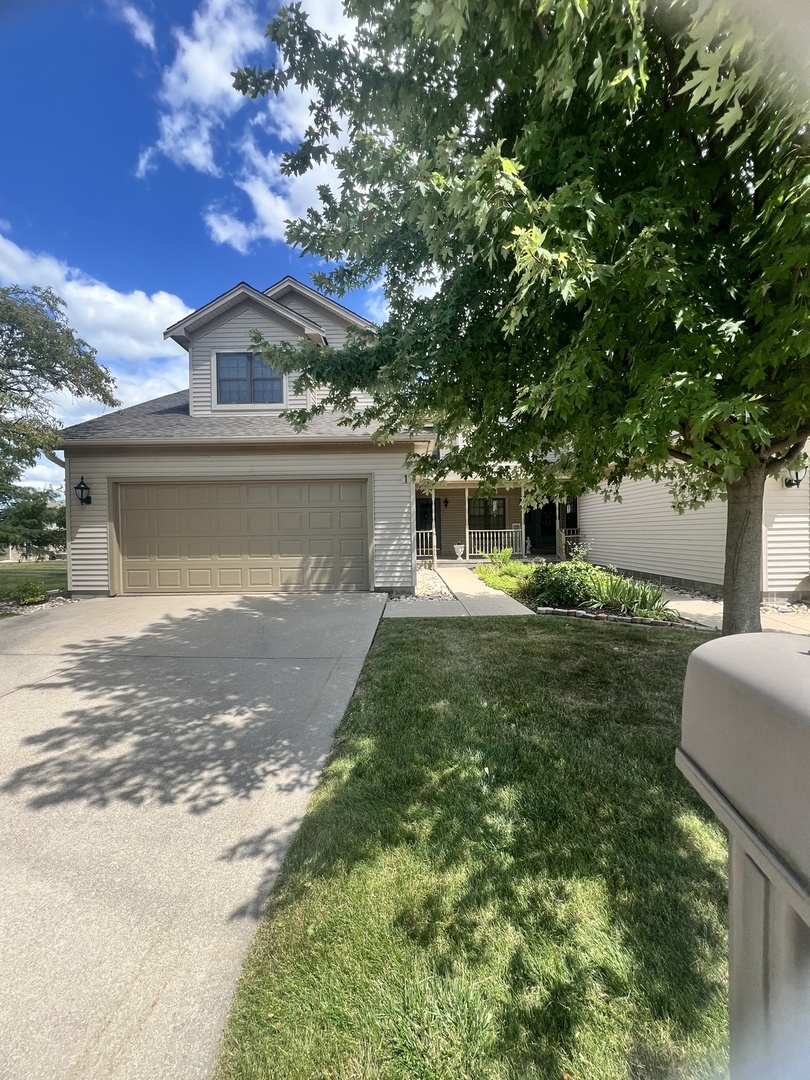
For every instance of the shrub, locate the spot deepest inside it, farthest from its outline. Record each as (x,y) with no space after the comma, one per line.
(626,596)
(563,585)
(499,557)
(509,578)
(27,591)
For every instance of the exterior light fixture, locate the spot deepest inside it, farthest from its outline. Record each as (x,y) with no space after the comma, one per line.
(446,502)
(82,493)
(794,480)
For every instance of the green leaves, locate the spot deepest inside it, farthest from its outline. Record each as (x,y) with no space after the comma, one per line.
(615,208)
(39,354)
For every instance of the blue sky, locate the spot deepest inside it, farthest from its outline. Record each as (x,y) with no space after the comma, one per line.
(137,183)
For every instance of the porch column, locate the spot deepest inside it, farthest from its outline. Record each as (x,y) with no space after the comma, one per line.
(522,522)
(435,559)
(466,524)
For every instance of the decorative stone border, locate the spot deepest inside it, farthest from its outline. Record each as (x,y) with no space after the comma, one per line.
(630,620)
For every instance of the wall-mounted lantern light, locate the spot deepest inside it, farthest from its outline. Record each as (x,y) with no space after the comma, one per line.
(794,480)
(82,493)
(446,502)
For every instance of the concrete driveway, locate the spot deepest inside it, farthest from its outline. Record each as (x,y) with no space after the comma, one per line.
(156,756)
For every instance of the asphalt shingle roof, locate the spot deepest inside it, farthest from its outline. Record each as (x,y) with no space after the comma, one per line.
(167,418)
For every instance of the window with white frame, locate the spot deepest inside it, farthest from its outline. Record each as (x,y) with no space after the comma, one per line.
(243,378)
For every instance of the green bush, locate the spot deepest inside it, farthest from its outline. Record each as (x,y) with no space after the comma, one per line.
(578,584)
(626,596)
(561,585)
(499,557)
(27,591)
(509,578)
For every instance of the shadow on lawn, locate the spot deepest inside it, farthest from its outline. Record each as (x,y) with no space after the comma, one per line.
(527,799)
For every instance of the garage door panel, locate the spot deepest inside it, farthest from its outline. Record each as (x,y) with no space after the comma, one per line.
(352,521)
(289,494)
(230,577)
(167,495)
(198,547)
(352,546)
(137,580)
(352,494)
(169,578)
(290,522)
(168,547)
(251,536)
(291,547)
(322,546)
(291,576)
(321,519)
(320,494)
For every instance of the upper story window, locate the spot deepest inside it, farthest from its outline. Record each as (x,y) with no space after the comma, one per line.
(243,378)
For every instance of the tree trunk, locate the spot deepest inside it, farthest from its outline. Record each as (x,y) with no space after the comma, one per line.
(743,570)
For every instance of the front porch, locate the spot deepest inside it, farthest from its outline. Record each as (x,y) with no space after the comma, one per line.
(467,526)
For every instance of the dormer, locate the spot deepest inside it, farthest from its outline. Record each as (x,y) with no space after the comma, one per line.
(225,375)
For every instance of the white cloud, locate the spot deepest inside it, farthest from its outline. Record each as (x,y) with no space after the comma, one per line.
(198,107)
(126,328)
(142,28)
(121,326)
(273,197)
(196,93)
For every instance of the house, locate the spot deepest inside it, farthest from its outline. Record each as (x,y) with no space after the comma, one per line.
(211,490)
(643,535)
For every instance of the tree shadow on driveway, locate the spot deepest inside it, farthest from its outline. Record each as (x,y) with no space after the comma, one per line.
(194,709)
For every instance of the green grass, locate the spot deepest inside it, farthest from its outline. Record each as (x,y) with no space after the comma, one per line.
(52,573)
(501,873)
(508,578)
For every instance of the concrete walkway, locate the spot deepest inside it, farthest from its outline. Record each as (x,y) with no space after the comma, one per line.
(709,613)
(472,597)
(156,757)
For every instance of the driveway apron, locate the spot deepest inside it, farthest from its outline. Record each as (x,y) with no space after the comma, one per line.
(156,757)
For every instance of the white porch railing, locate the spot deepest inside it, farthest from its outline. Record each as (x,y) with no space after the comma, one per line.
(424,543)
(485,541)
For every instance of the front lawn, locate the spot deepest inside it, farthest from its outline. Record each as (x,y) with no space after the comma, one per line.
(51,572)
(501,875)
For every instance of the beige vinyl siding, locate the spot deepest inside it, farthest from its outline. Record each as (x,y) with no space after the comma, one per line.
(390,498)
(233,335)
(787,537)
(335,331)
(333,328)
(643,533)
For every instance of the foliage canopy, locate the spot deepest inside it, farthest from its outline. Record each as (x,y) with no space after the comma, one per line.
(590,219)
(39,354)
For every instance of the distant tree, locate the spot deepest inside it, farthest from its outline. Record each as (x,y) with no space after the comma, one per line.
(32,520)
(611,200)
(39,355)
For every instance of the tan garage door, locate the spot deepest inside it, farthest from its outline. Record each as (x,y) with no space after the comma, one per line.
(260,536)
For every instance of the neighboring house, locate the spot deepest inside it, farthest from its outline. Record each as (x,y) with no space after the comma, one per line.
(643,535)
(211,490)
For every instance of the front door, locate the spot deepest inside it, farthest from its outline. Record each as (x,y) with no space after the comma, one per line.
(424,521)
(541,527)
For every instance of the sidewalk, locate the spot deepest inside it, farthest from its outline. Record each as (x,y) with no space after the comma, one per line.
(472,597)
(709,613)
